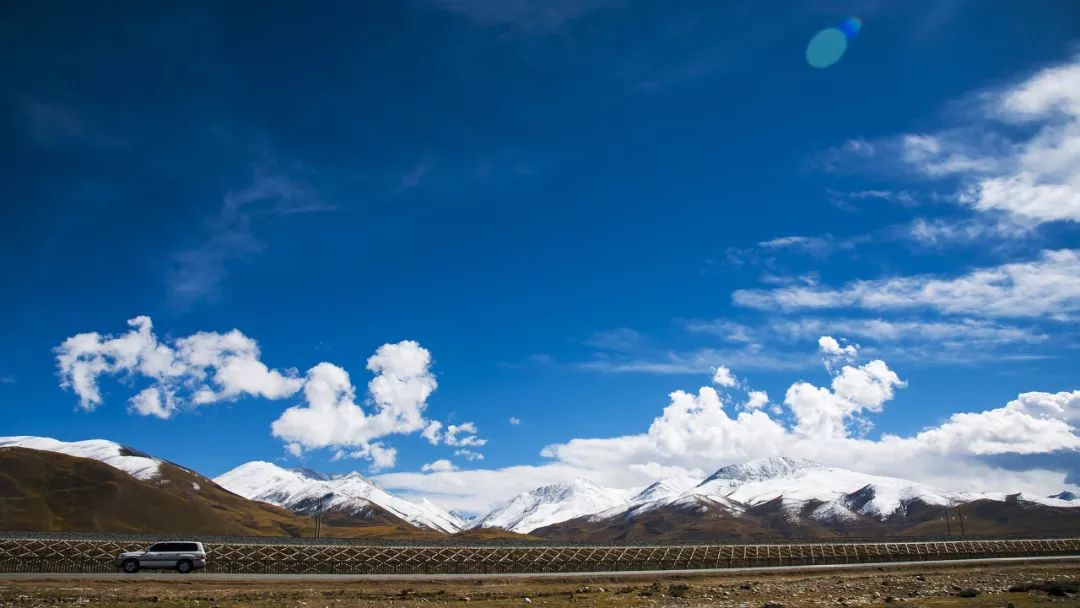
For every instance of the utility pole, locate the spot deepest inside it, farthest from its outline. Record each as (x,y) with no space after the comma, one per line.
(948,531)
(960,514)
(318,517)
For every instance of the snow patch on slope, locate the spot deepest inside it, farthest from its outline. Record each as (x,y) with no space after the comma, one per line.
(833,512)
(132,462)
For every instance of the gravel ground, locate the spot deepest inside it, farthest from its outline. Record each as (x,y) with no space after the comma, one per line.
(1018,586)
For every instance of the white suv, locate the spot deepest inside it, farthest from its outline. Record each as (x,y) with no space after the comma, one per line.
(185,556)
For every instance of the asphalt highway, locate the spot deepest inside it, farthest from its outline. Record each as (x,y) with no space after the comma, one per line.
(172,576)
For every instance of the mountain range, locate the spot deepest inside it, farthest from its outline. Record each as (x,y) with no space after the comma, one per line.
(92,485)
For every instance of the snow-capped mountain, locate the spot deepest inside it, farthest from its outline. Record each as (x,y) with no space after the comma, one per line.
(761,498)
(665,489)
(799,491)
(552,504)
(133,462)
(300,490)
(796,482)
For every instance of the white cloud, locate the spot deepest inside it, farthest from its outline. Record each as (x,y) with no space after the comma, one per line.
(833,352)
(432,432)
(722,377)
(468,454)
(751,356)
(331,418)
(697,433)
(210,367)
(973,331)
(154,402)
(514,420)
(756,400)
(1028,175)
(729,330)
(1045,287)
(819,246)
(438,466)
(823,413)
(463,435)
(203,368)
(940,233)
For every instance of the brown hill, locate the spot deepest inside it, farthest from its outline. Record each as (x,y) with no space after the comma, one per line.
(48,491)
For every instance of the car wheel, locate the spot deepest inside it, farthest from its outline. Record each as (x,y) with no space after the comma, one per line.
(183,566)
(131,566)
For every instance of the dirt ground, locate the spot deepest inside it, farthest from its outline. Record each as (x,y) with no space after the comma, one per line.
(1011,586)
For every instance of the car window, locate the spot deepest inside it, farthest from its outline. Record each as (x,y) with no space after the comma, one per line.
(186,547)
(158,547)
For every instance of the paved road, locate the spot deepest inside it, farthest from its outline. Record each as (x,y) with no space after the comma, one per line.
(166,576)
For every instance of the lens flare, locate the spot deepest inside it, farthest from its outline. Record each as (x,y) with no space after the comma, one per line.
(850,27)
(829,45)
(826,48)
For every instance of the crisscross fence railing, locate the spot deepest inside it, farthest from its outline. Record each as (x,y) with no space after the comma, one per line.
(80,555)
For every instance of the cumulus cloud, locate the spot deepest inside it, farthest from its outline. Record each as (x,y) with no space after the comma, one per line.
(825,413)
(331,417)
(832,353)
(697,432)
(1048,286)
(514,420)
(756,400)
(722,377)
(204,368)
(210,367)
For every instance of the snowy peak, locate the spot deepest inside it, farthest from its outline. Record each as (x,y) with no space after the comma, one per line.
(664,489)
(132,462)
(302,490)
(796,482)
(552,504)
(762,469)
(308,473)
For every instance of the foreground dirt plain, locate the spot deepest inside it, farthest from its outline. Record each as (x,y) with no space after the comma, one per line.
(1011,586)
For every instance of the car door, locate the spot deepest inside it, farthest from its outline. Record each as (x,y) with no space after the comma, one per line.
(155,556)
(171,554)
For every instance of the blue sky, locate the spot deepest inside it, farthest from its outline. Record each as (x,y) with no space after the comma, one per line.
(574,208)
